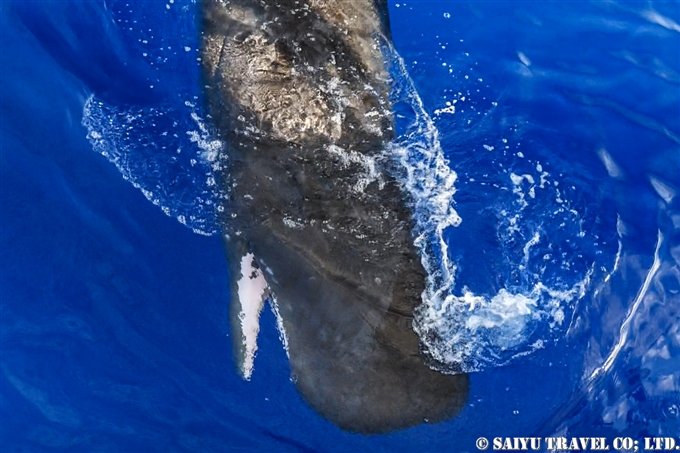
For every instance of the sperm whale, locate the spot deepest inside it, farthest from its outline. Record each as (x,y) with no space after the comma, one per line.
(317,221)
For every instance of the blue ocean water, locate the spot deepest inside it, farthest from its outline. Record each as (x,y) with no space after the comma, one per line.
(561,121)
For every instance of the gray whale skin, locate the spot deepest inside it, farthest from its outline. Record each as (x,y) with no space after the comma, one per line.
(299,91)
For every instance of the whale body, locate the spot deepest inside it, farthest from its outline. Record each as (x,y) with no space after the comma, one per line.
(317,221)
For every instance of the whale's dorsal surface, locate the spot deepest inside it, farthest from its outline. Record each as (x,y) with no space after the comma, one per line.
(299,90)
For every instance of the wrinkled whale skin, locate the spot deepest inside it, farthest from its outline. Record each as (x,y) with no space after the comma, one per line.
(299,91)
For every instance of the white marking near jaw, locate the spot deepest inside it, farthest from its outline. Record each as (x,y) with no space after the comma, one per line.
(252,292)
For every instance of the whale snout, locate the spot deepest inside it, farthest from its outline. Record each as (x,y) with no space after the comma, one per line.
(355,356)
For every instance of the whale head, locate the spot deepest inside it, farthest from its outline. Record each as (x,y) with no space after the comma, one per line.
(318,223)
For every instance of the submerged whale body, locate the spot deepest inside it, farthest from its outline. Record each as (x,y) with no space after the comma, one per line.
(317,222)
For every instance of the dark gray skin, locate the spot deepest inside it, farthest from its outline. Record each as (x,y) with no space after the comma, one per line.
(299,91)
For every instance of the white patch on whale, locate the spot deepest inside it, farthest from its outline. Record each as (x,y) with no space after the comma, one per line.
(252,293)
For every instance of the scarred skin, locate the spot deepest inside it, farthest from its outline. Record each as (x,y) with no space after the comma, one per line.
(299,91)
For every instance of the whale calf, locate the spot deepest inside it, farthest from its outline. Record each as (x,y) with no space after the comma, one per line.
(317,221)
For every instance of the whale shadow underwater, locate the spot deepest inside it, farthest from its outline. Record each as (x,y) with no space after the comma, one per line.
(318,223)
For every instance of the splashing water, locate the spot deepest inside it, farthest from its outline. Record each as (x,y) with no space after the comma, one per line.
(462,331)
(168,154)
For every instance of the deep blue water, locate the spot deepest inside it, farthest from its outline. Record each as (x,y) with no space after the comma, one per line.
(562,125)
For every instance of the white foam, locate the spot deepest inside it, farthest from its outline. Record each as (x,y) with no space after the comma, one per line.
(174,171)
(527,247)
(427,176)
(210,147)
(449,109)
(468,332)
(517,181)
